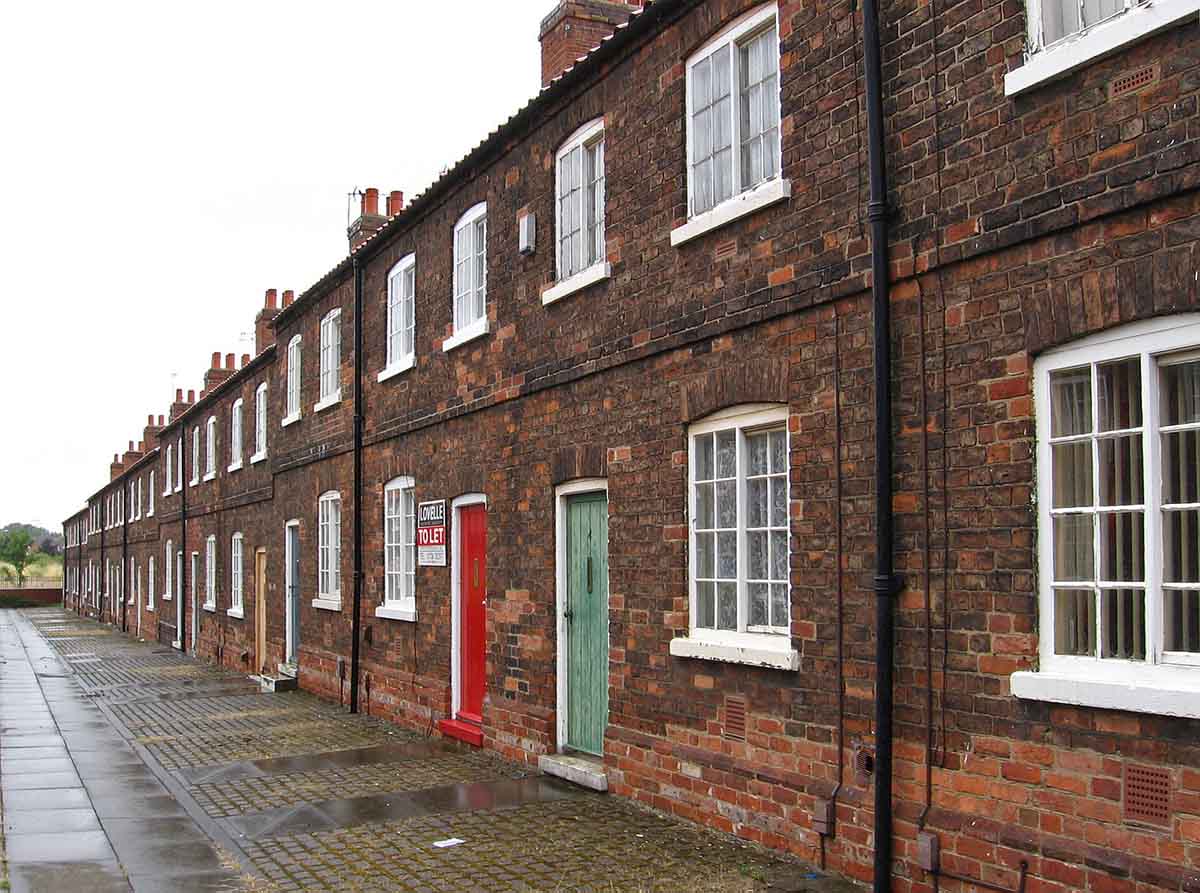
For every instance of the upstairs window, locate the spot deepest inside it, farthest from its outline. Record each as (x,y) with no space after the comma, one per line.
(260,423)
(196,460)
(293,381)
(210,469)
(167,465)
(329,546)
(331,358)
(401,314)
(470,274)
(150,501)
(235,435)
(179,464)
(580,207)
(733,112)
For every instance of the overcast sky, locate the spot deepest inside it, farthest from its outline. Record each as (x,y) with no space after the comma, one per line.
(164,164)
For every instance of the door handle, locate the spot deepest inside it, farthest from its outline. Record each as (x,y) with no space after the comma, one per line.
(476,568)
(589,573)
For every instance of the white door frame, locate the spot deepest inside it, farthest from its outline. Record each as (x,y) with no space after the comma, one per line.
(456,506)
(562,493)
(288,560)
(179,598)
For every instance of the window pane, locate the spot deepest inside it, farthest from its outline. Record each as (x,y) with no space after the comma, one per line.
(778,452)
(1124,620)
(1181,393)
(727,606)
(1181,546)
(757,546)
(1059,18)
(705,513)
(704,457)
(1120,394)
(727,556)
(727,504)
(757,446)
(779,555)
(1121,470)
(1122,549)
(1181,621)
(726,454)
(779,498)
(1074,621)
(1073,547)
(1072,474)
(706,563)
(1070,403)
(1098,10)
(756,502)
(779,604)
(706,615)
(759,593)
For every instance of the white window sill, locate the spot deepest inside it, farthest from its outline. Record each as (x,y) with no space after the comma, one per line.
(733,209)
(326,402)
(756,650)
(581,280)
(328,604)
(166,598)
(236,612)
(290,419)
(1161,690)
(258,457)
(210,476)
(149,607)
(212,609)
(236,466)
(477,329)
(401,365)
(1070,55)
(179,488)
(396,612)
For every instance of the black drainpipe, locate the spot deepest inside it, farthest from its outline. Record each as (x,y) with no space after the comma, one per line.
(358,489)
(106,594)
(124,564)
(181,611)
(885,580)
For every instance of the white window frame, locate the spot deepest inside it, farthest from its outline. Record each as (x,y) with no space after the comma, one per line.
(401,294)
(260,424)
(469,328)
(397,603)
(330,360)
(196,461)
(168,564)
(168,465)
(292,409)
(140,493)
(236,545)
(235,435)
(766,648)
(1044,64)
(179,463)
(150,501)
(150,583)
(586,138)
(210,573)
(744,200)
(210,469)
(1157,684)
(329,552)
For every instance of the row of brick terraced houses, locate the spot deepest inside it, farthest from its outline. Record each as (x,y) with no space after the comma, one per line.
(585,436)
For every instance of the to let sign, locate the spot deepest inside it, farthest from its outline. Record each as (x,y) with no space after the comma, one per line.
(431,534)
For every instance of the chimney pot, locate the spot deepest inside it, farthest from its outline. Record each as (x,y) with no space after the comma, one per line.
(395,202)
(141,446)
(131,446)
(271,298)
(370,202)
(216,360)
(191,396)
(160,421)
(288,297)
(229,358)
(179,395)
(150,420)
(245,360)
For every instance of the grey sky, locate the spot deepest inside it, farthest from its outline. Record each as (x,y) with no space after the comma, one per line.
(164,164)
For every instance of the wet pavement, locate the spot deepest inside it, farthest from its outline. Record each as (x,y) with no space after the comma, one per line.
(127,766)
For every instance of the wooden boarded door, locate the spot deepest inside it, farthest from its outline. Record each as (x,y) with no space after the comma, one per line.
(586,612)
(260,611)
(473,616)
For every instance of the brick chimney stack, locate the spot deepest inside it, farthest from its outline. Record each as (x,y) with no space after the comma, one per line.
(150,433)
(576,27)
(216,374)
(180,406)
(369,219)
(115,469)
(131,455)
(264,321)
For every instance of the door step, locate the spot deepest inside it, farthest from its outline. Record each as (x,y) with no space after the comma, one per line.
(463,731)
(587,772)
(277,683)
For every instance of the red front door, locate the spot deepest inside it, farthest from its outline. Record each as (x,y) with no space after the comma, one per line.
(473,588)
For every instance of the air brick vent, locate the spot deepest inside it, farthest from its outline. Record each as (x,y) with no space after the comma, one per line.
(1133,81)
(735,717)
(1147,795)
(725,250)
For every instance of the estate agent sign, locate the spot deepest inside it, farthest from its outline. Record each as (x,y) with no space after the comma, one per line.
(431,534)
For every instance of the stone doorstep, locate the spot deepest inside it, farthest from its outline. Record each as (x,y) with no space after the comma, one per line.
(585,771)
(277,683)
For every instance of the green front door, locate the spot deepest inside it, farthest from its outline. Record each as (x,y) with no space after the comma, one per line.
(586,614)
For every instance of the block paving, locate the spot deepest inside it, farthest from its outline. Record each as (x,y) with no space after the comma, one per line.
(191,717)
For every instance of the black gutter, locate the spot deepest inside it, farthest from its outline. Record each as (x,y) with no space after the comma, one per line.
(125,575)
(355,622)
(885,581)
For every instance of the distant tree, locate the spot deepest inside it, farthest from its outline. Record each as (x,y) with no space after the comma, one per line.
(48,545)
(16,548)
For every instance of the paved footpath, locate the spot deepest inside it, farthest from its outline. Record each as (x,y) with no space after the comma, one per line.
(127,766)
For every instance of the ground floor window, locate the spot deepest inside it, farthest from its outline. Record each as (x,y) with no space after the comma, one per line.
(400,549)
